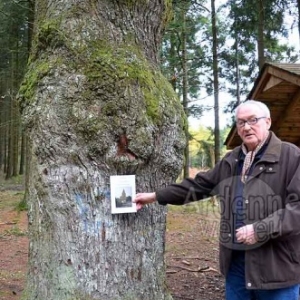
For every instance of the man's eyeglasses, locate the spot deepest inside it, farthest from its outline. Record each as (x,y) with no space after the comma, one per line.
(241,123)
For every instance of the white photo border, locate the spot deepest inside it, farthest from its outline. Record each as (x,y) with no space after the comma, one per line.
(121,186)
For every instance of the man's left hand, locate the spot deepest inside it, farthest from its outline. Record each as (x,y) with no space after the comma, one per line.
(246,235)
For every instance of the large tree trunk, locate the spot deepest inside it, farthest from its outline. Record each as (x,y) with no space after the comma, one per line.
(22,153)
(2,134)
(260,34)
(186,167)
(10,144)
(298,6)
(95,105)
(216,82)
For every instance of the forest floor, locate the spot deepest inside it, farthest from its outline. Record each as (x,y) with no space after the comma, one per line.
(191,249)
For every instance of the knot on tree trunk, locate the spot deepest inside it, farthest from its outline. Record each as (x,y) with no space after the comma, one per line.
(123,149)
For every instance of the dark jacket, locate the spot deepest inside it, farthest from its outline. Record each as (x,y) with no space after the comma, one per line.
(270,201)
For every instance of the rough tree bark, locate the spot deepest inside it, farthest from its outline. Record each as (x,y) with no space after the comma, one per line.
(260,34)
(95,104)
(216,82)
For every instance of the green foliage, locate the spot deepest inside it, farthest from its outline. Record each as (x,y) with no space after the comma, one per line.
(202,147)
(22,205)
(181,47)
(14,42)
(14,47)
(239,63)
(15,231)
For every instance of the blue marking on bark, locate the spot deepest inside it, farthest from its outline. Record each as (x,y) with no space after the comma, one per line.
(92,224)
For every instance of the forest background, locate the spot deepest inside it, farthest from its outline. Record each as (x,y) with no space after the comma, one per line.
(208,48)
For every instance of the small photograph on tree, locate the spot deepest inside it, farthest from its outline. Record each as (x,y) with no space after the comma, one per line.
(122,191)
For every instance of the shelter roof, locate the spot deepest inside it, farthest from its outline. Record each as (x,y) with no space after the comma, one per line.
(278,86)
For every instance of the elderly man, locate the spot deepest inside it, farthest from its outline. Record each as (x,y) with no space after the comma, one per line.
(258,184)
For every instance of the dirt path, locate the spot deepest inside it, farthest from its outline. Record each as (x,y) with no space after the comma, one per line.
(192,257)
(13,246)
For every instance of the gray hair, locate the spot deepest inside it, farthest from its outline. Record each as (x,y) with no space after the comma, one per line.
(263,107)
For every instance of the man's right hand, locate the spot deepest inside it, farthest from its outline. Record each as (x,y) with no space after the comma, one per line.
(142,199)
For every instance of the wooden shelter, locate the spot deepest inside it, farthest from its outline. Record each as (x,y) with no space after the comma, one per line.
(278,86)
